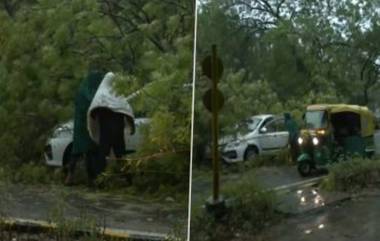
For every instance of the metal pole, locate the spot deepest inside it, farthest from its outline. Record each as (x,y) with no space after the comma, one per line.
(215,159)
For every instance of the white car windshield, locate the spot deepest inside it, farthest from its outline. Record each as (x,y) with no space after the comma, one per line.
(248,125)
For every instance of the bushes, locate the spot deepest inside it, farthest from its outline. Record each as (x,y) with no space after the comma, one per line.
(165,174)
(250,210)
(82,228)
(281,158)
(30,173)
(251,203)
(352,175)
(158,177)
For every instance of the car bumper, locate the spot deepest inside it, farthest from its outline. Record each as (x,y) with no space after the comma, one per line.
(54,151)
(232,155)
(48,155)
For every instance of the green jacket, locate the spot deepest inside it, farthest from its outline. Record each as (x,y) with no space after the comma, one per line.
(87,89)
(292,127)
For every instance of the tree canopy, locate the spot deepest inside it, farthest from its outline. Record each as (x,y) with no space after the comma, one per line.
(47,46)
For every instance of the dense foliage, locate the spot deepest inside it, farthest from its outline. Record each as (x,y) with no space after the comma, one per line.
(353,175)
(47,46)
(249,209)
(283,55)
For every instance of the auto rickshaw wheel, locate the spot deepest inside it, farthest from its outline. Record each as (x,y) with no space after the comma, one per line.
(304,169)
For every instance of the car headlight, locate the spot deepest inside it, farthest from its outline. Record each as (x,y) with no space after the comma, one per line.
(236,143)
(233,144)
(315,141)
(300,140)
(62,129)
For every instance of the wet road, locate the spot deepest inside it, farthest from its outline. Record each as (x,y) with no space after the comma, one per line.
(353,220)
(271,177)
(108,210)
(267,177)
(314,214)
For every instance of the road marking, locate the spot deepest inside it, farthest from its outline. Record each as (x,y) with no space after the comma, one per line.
(300,184)
(111,232)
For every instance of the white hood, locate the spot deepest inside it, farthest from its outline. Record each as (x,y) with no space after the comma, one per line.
(106,97)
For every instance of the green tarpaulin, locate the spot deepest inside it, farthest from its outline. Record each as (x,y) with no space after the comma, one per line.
(82,141)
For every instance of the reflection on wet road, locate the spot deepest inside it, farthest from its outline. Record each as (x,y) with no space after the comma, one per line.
(307,199)
(310,197)
(352,220)
(315,215)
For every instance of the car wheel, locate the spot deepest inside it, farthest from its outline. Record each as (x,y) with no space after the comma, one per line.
(304,169)
(251,154)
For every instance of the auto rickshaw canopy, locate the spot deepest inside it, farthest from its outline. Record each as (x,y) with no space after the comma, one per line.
(367,118)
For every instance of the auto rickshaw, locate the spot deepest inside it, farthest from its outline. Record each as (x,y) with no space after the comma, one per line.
(332,133)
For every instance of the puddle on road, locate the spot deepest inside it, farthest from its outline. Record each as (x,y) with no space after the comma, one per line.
(301,200)
(310,198)
(319,223)
(320,215)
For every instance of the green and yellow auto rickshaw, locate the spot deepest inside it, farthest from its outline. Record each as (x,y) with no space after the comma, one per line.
(334,132)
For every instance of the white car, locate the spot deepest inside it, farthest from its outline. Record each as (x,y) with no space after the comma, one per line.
(259,134)
(58,148)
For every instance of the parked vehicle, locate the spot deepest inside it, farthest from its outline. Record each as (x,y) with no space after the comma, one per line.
(257,135)
(58,148)
(334,132)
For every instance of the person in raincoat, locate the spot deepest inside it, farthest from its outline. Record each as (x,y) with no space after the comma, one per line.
(293,130)
(109,119)
(83,145)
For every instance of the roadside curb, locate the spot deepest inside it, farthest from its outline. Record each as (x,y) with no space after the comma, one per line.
(43,226)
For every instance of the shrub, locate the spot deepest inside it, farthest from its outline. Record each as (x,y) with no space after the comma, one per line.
(249,210)
(84,228)
(281,158)
(30,173)
(166,174)
(352,175)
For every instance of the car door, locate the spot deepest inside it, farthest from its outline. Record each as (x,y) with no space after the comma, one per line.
(274,136)
(268,136)
(282,134)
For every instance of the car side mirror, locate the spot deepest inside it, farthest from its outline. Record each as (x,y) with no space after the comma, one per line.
(263,130)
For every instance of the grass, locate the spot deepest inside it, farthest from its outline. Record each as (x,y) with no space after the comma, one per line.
(353,175)
(83,228)
(30,173)
(250,209)
(281,158)
(163,178)
(86,228)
